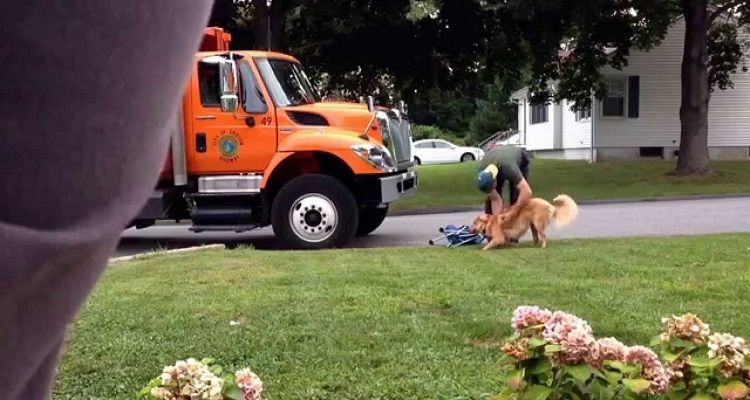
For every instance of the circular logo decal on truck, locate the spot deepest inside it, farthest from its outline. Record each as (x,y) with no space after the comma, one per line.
(228,144)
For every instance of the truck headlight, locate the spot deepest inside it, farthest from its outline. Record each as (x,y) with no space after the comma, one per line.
(378,157)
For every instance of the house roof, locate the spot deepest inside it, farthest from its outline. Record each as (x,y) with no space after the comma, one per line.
(520,94)
(523,93)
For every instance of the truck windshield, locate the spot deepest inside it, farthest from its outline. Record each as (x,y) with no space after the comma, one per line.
(287,82)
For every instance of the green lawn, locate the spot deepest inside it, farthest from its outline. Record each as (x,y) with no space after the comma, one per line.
(385,324)
(454,185)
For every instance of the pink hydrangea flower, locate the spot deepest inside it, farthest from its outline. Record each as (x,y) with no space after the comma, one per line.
(653,370)
(611,349)
(525,317)
(578,347)
(249,383)
(574,335)
(560,324)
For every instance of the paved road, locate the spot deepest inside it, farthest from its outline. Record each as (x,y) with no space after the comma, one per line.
(689,217)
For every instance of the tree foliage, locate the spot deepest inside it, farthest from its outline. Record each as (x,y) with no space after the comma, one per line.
(494,112)
(571,41)
(726,56)
(439,56)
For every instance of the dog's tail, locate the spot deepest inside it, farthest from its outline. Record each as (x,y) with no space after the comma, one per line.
(566,210)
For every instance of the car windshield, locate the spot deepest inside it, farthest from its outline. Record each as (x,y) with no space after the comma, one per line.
(287,82)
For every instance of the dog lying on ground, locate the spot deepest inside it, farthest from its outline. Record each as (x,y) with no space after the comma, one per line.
(536,215)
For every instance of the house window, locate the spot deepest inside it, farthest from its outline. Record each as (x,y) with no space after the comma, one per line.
(634,96)
(584,114)
(614,103)
(539,113)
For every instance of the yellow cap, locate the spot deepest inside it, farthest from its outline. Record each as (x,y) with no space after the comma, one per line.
(492,169)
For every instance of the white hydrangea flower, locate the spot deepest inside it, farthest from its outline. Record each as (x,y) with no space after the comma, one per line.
(730,350)
(189,379)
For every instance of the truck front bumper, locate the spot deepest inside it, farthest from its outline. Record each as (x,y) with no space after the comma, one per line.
(395,187)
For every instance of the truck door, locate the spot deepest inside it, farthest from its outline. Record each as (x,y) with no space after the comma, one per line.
(225,142)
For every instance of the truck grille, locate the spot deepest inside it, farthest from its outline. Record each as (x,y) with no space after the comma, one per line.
(399,137)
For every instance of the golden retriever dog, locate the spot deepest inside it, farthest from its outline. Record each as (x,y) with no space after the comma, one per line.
(537,215)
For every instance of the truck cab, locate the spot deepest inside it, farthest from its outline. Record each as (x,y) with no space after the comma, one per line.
(254,145)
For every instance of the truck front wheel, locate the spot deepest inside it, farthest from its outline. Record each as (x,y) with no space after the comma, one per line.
(314,212)
(370,218)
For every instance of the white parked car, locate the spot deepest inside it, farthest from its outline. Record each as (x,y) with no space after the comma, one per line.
(439,151)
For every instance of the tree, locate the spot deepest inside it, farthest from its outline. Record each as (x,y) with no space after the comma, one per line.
(701,72)
(571,40)
(494,113)
(269,24)
(249,20)
(437,55)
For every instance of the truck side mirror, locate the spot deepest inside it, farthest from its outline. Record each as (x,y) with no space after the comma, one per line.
(229,85)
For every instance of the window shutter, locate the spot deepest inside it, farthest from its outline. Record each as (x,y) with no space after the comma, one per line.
(634,96)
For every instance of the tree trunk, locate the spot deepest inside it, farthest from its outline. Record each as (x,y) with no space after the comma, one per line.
(693,158)
(275,37)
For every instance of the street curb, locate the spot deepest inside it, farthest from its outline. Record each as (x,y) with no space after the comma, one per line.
(457,209)
(173,251)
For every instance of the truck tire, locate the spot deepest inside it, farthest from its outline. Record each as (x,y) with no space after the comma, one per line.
(314,211)
(370,218)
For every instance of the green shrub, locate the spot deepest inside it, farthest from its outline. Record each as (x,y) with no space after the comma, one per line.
(420,132)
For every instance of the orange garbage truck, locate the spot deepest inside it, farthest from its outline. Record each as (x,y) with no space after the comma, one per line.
(254,146)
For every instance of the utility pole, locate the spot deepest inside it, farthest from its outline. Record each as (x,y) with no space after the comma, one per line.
(268,22)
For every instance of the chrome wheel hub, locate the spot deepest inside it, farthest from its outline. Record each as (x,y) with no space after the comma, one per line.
(313,218)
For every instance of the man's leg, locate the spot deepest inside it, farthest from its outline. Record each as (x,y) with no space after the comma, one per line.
(513,195)
(109,76)
(525,167)
(500,190)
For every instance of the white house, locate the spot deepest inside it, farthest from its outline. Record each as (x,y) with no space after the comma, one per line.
(640,116)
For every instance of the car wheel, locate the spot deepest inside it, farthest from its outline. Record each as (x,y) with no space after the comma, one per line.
(370,218)
(417,161)
(467,157)
(314,211)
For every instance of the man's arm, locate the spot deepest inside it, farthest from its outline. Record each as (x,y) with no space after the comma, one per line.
(496,202)
(524,195)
